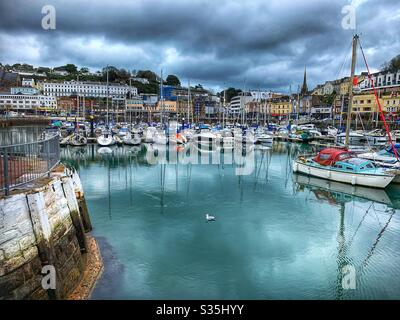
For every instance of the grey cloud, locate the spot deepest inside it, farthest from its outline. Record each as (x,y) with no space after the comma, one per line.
(268,43)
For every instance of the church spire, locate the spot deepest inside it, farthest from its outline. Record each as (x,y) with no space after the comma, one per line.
(304,88)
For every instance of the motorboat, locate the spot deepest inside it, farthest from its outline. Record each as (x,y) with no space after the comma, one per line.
(355,138)
(343,166)
(376,137)
(386,158)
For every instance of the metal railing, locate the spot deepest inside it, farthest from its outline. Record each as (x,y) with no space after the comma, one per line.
(24,163)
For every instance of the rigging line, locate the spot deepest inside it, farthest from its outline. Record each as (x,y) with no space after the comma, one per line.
(362,125)
(359,225)
(379,103)
(346,57)
(370,253)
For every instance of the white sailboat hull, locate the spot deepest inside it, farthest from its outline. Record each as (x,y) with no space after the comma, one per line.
(376,140)
(105,141)
(367,180)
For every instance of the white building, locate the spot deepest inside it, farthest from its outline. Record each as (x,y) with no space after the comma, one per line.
(141,80)
(261,95)
(87,89)
(382,80)
(238,103)
(28,82)
(21,102)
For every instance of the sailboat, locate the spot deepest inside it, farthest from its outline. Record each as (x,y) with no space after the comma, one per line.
(132,139)
(106,139)
(385,158)
(342,165)
(78,140)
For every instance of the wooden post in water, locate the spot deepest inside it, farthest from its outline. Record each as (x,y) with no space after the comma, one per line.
(349,109)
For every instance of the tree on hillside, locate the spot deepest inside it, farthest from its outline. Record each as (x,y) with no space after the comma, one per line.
(112,73)
(148,74)
(70,68)
(392,65)
(230,93)
(123,75)
(84,70)
(172,80)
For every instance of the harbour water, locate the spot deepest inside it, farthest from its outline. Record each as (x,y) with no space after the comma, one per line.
(277,235)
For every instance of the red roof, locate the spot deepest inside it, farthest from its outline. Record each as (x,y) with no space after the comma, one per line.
(329,156)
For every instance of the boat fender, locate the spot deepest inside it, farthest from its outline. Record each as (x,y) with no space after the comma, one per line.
(353,180)
(295,167)
(328,174)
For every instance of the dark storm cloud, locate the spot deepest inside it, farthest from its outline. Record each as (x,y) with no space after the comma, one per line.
(264,43)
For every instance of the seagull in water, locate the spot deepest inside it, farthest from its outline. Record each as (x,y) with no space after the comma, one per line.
(209,218)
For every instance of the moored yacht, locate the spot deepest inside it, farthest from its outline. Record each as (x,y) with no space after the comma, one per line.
(355,138)
(343,166)
(106,139)
(376,137)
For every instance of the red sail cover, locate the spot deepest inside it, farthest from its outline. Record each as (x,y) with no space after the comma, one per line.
(329,156)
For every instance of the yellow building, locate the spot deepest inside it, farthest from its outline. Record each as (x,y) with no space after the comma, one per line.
(345,87)
(134,104)
(166,106)
(391,103)
(280,107)
(365,103)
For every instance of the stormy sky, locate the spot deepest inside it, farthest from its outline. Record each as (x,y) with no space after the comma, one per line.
(253,44)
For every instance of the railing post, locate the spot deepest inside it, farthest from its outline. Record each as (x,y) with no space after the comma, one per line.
(6,174)
(48,157)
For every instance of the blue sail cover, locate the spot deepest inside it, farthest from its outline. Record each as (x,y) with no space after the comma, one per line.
(390,149)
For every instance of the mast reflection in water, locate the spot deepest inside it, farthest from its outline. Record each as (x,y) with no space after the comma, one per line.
(277,235)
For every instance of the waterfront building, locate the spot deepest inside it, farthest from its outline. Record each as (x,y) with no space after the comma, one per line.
(238,103)
(135,104)
(280,106)
(69,105)
(88,89)
(365,103)
(28,82)
(321,112)
(307,102)
(391,103)
(168,106)
(23,102)
(384,82)
(24,90)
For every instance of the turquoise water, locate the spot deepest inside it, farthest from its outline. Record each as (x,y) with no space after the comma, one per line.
(277,235)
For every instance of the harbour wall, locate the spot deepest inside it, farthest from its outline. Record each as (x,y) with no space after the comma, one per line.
(44,225)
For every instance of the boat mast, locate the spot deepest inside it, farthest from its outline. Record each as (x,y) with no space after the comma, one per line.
(107,94)
(162,100)
(353,69)
(188,105)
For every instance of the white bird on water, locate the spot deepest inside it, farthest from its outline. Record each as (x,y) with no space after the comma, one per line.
(209,218)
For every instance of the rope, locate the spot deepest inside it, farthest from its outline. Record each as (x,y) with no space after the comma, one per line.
(379,103)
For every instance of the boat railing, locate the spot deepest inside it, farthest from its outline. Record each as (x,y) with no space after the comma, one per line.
(24,163)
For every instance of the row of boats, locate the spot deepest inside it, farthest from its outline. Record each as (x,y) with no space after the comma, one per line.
(366,166)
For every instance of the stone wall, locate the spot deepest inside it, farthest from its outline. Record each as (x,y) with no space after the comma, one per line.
(44,225)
